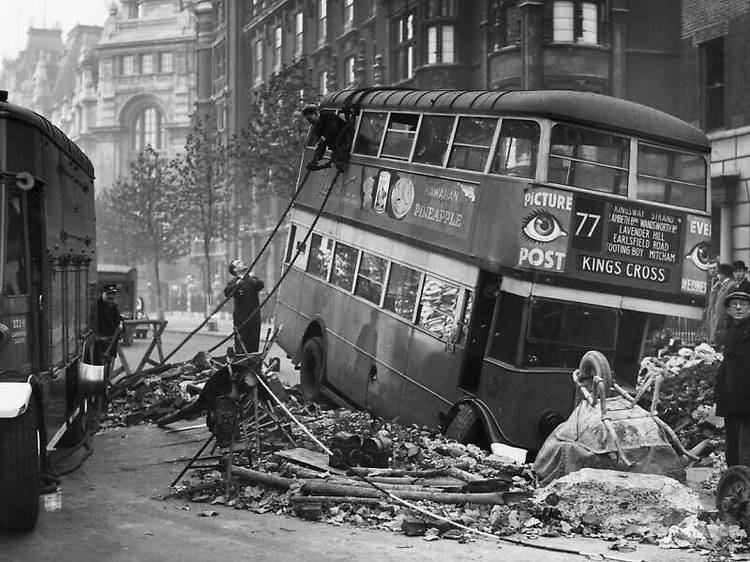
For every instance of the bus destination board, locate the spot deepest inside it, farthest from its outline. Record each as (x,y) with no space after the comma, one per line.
(596,239)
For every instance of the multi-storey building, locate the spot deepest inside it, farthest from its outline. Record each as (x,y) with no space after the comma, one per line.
(716,68)
(626,49)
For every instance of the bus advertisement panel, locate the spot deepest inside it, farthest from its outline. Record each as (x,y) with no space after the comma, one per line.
(478,244)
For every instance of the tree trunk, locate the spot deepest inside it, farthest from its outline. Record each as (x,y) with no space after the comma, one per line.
(159,309)
(207,280)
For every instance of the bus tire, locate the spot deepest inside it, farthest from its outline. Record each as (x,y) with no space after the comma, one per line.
(311,368)
(465,426)
(19,471)
(593,363)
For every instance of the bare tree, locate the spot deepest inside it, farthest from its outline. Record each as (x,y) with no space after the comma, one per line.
(200,176)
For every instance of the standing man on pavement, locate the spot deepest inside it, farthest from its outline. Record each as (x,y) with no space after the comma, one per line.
(717,318)
(108,319)
(739,271)
(245,288)
(732,388)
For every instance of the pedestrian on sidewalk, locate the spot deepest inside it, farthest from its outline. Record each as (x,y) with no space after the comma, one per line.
(732,388)
(245,288)
(108,320)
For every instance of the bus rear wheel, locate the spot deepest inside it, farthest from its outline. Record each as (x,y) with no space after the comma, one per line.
(311,368)
(464,427)
(19,471)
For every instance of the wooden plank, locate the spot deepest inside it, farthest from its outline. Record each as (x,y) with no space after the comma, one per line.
(313,459)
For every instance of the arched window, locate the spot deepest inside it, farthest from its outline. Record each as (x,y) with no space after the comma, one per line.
(148,129)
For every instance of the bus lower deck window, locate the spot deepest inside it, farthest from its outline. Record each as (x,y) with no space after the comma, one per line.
(370,277)
(401,294)
(437,306)
(319,258)
(344,264)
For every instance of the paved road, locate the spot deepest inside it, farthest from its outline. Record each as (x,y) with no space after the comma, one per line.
(110,514)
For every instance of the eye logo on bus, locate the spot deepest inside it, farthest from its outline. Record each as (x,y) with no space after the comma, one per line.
(542,226)
(699,255)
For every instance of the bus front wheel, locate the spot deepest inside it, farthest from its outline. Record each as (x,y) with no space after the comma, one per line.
(19,471)
(464,427)
(311,368)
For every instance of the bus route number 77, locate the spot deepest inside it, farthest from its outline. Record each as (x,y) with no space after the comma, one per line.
(587,224)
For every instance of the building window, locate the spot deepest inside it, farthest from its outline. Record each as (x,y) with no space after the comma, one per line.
(165,62)
(128,65)
(507,26)
(575,21)
(349,70)
(712,62)
(220,116)
(440,44)
(299,34)
(147,63)
(258,69)
(148,129)
(323,82)
(441,9)
(322,21)
(405,47)
(277,53)
(348,14)
(220,60)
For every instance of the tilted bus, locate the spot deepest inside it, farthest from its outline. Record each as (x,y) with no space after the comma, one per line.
(479,243)
(48,271)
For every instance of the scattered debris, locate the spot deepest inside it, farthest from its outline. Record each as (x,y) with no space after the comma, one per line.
(461,483)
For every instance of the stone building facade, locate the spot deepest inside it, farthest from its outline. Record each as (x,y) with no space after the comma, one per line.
(715,74)
(628,49)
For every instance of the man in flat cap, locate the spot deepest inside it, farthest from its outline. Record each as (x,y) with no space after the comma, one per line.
(732,387)
(716,318)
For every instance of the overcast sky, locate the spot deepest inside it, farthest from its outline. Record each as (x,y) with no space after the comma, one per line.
(17,15)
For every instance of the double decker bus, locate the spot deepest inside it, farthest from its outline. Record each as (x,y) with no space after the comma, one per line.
(48,275)
(479,243)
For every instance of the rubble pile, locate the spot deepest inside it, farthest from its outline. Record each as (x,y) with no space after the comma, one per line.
(460,483)
(686,400)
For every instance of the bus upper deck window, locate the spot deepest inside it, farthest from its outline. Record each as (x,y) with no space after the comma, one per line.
(399,137)
(471,144)
(517,149)
(669,176)
(371,127)
(589,159)
(432,141)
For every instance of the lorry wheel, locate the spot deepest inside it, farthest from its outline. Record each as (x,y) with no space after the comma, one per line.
(733,496)
(311,368)
(593,364)
(464,427)
(19,471)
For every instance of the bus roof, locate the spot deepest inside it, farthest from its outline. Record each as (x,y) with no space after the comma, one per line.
(12,111)
(565,105)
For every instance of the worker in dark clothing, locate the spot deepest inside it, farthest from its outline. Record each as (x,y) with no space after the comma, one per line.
(108,319)
(231,380)
(245,288)
(732,388)
(332,131)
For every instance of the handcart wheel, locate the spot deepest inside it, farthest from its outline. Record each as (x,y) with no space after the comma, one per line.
(733,496)
(595,375)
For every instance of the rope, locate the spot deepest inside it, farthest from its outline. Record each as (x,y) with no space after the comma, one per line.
(255,261)
(300,248)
